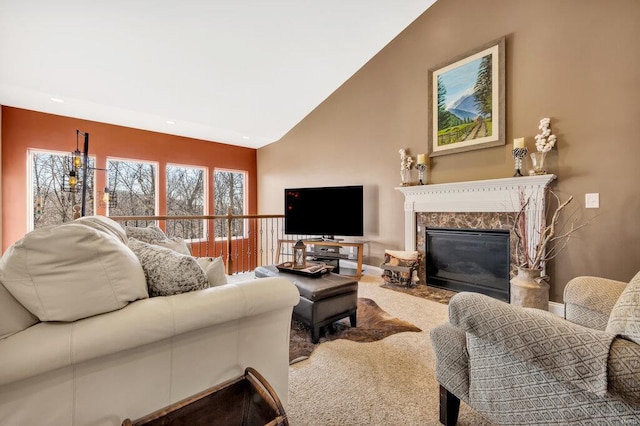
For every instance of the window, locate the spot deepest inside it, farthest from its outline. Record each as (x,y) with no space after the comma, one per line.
(50,204)
(230,194)
(185,197)
(134,183)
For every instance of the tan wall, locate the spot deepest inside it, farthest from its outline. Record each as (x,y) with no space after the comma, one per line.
(576,61)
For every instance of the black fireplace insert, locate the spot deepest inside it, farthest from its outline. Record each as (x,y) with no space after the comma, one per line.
(469,260)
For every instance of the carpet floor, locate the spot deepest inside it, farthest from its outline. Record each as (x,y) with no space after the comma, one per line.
(386,382)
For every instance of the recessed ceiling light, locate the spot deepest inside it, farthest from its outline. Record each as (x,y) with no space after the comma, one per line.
(171,122)
(60,101)
(245,137)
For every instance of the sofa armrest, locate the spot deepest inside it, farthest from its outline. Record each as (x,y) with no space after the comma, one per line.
(569,352)
(139,323)
(589,300)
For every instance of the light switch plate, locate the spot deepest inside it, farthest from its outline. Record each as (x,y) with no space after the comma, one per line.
(592,201)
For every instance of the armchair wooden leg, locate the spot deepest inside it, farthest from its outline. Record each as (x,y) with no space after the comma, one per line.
(449,407)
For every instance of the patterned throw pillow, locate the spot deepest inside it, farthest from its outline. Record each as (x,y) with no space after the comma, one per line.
(168,272)
(625,315)
(214,268)
(406,259)
(151,234)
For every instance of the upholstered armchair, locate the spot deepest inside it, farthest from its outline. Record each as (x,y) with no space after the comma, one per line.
(526,366)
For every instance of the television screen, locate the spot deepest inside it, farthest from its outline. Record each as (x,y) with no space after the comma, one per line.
(325,211)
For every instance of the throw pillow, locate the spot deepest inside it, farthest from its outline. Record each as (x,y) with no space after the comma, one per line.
(214,268)
(168,272)
(625,315)
(150,234)
(175,244)
(71,271)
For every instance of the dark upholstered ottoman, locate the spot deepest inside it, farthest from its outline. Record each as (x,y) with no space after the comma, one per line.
(323,300)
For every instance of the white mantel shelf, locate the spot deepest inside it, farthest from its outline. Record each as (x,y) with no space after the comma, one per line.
(492,195)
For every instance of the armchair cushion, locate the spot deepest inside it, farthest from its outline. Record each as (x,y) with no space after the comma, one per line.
(625,315)
(569,352)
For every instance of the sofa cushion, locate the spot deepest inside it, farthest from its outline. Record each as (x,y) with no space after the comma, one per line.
(13,316)
(214,268)
(168,272)
(104,224)
(150,234)
(625,315)
(72,271)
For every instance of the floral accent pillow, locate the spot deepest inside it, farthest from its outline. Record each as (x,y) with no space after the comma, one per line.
(168,272)
(625,315)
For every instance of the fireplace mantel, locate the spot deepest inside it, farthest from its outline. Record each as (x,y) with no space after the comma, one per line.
(493,195)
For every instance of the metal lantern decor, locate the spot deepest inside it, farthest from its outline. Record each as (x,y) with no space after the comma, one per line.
(299,255)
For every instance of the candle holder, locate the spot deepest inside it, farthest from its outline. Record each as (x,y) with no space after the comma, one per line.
(518,155)
(422,168)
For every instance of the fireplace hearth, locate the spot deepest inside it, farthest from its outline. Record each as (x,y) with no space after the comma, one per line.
(468,260)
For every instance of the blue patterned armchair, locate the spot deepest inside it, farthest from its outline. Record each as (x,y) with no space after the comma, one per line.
(525,366)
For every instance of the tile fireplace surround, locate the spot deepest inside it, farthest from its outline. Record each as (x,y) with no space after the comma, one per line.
(482,204)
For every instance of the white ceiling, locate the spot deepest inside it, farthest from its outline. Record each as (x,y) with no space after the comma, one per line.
(242,72)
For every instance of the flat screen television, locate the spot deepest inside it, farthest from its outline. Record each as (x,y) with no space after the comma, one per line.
(324,211)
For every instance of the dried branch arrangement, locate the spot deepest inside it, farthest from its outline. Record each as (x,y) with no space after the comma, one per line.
(553,235)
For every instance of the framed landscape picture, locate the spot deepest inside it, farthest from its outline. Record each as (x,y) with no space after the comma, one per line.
(466,101)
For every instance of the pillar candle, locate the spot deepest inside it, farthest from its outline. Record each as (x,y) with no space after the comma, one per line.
(518,143)
(422,159)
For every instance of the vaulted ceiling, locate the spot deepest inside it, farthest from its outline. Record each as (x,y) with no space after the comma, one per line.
(242,72)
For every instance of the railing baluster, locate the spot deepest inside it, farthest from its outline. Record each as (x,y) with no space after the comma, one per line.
(250,241)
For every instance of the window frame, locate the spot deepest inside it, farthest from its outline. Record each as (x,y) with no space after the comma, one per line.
(245,203)
(205,186)
(29,178)
(156,188)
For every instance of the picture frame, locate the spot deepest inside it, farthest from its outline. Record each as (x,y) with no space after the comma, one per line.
(467,101)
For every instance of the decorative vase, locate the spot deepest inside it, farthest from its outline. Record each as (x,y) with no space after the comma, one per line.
(537,160)
(405,177)
(529,289)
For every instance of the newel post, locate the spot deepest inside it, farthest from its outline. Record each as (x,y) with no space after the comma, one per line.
(229,262)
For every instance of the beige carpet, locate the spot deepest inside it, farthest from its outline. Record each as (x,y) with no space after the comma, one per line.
(388,382)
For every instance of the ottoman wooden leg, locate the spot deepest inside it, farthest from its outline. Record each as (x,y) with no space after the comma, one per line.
(353,319)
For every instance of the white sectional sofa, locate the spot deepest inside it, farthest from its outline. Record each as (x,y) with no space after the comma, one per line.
(81,343)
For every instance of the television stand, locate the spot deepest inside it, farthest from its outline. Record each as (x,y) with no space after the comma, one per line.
(327,250)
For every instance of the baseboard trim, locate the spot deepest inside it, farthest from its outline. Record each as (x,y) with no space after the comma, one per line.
(557,308)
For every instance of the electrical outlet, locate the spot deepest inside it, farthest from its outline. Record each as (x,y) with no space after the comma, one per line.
(592,201)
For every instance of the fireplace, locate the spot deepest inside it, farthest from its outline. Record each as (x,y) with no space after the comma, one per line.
(486,207)
(468,260)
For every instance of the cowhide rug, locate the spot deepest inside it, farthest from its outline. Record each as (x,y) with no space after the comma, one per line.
(373,324)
